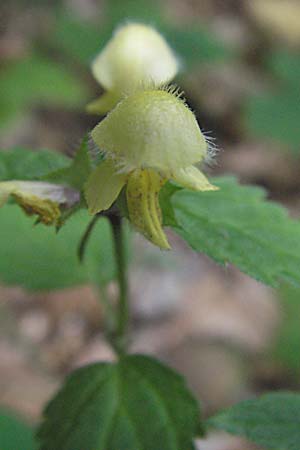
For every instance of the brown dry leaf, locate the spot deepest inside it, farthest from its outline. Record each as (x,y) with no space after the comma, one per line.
(280,18)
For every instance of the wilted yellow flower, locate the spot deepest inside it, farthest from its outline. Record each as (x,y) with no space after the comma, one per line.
(149,138)
(136,55)
(38,197)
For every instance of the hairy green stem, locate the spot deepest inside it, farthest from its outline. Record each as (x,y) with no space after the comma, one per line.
(119,335)
(116,318)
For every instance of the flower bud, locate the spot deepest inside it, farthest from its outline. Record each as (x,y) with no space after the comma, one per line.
(137,55)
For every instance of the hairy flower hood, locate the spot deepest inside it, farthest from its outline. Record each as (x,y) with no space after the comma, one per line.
(154,129)
(149,138)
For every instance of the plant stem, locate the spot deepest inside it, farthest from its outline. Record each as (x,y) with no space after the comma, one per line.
(119,336)
(109,311)
(85,238)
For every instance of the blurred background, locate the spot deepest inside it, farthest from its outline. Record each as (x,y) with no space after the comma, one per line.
(231,336)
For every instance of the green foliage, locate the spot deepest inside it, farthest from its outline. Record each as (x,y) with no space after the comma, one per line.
(287,346)
(22,164)
(286,66)
(272,421)
(14,433)
(137,403)
(119,11)
(194,45)
(237,225)
(165,196)
(37,258)
(37,80)
(89,38)
(76,174)
(275,115)
(134,404)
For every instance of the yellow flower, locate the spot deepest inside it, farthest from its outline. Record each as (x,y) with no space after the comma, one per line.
(38,197)
(149,138)
(136,55)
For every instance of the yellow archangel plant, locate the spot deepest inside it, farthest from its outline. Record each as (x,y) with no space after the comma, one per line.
(148,138)
(136,55)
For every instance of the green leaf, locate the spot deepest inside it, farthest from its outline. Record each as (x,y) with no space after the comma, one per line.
(37,80)
(76,174)
(193,45)
(237,225)
(168,190)
(14,433)
(196,45)
(135,404)
(39,259)
(272,421)
(287,346)
(275,116)
(285,65)
(23,164)
(119,11)
(91,38)
(77,38)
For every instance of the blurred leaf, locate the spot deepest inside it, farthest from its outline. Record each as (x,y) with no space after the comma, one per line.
(37,258)
(286,65)
(193,45)
(81,40)
(287,346)
(23,164)
(134,404)
(14,433)
(78,171)
(118,11)
(37,80)
(276,117)
(196,45)
(272,421)
(237,225)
